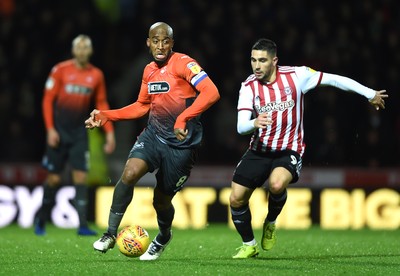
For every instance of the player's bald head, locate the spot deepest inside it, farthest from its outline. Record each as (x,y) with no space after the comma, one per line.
(82,49)
(161,27)
(82,37)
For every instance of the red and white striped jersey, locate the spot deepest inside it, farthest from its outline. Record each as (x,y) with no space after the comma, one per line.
(283,100)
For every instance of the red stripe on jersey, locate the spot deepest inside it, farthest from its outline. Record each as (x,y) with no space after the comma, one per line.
(295,143)
(283,99)
(301,129)
(286,105)
(320,78)
(250,79)
(286,69)
(258,143)
(272,128)
(254,94)
(283,120)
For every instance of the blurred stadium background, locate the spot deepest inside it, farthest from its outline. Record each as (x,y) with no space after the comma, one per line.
(349,144)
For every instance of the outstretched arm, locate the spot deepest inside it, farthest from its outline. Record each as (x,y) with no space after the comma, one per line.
(376,98)
(133,111)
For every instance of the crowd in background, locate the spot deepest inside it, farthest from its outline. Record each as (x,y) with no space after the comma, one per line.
(359,39)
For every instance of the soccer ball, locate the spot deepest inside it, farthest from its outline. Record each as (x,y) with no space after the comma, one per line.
(133,241)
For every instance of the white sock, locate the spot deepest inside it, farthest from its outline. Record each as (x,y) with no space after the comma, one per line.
(252,242)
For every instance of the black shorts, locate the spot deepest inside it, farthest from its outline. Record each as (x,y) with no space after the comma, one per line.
(254,168)
(174,164)
(74,150)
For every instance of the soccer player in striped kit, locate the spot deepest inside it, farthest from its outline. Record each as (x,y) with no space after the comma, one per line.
(271,106)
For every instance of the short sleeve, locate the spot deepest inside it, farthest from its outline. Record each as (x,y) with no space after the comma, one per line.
(308,78)
(245,101)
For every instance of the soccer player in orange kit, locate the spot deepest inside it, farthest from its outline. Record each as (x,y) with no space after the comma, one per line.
(71,88)
(175,90)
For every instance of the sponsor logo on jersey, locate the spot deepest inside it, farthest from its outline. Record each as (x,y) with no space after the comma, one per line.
(194,67)
(275,106)
(158,87)
(77,89)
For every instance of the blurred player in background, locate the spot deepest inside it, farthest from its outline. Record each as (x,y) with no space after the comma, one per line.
(72,88)
(271,107)
(175,91)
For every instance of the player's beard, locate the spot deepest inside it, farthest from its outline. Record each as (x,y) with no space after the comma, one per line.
(267,74)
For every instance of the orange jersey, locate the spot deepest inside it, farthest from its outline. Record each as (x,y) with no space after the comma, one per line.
(69,94)
(175,94)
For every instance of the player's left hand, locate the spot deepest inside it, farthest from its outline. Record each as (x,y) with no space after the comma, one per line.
(378,101)
(180,133)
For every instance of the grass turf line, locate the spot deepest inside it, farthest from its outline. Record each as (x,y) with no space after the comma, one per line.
(205,252)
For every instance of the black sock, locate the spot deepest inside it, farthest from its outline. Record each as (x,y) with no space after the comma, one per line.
(123,195)
(241,218)
(81,203)
(48,202)
(275,205)
(164,220)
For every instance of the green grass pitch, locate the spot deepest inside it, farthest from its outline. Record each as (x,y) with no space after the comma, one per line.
(205,252)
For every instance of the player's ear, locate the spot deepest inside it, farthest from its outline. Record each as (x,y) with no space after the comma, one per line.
(275,60)
(148,42)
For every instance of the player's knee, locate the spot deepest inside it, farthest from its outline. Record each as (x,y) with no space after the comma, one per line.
(129,176)
(277,186)
(236,202)
(279,180)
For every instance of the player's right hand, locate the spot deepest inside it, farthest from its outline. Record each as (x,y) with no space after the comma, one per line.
(263,120)
(93,122)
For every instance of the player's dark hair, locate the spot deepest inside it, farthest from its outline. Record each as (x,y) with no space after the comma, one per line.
(264,44)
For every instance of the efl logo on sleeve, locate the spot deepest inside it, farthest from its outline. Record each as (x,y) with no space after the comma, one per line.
(311,70)
(194,67)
